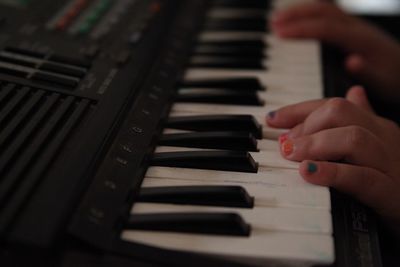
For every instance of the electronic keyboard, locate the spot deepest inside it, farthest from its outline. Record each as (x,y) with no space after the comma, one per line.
(133,132)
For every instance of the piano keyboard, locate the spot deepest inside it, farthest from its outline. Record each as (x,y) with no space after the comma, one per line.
(218,184)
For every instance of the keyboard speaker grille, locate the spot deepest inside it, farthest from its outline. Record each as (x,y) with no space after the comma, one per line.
(34,125)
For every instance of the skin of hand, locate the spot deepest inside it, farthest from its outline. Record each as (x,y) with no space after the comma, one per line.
(342,143)
(373,56)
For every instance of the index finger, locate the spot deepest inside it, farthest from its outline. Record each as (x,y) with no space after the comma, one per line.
(314,9)
(292,115)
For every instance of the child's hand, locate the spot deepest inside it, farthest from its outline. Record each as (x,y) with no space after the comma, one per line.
(373,56)
(341,143)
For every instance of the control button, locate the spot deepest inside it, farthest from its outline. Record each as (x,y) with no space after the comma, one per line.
(135,37)
(91,51)
(123,57)
(70,60)
(63,81)
(62,69)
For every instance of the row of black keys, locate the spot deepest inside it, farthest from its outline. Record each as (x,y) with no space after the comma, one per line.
(235,134)
(199,223)
(238,131)
(230,54)
(247,55)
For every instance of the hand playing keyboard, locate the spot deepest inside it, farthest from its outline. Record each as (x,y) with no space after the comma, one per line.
(343,144)
(373,56)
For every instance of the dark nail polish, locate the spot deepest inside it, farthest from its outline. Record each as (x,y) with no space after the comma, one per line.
(271,114)
(312,167)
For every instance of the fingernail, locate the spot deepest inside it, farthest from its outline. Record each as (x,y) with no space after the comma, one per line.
(271,114)
(312,167)
(282,138)
(287,147)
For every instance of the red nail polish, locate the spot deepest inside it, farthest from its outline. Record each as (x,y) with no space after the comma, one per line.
(287,147)
(282,138)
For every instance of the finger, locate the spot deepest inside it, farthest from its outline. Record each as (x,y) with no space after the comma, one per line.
(325,29)
(357,96)
(336,112)
(289,116)
(351,144)
(359,67)
(366,71)
(346,32)
(319,9)
(365,184)
(355,63)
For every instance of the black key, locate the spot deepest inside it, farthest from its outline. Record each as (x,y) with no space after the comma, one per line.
(239,161)
(53,79)
(244,44)
(63,69)
(219,196)
(259,4)
(230,51)
(230,224)
(220,96)
(79,62)
(236,84)
(239,24)
(207,123)
(227,63)
(240,141)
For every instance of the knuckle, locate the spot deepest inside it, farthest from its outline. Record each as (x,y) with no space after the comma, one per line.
(335,108)
(314,148)
(337,104)
(391,125)
(357,136)
(305,147)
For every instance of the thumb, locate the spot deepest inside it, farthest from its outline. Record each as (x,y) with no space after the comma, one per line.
(366,184)
(356,64)
(357,96)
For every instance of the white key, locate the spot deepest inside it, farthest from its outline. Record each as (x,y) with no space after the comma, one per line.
(262,247)
(211,109)
(268,177)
